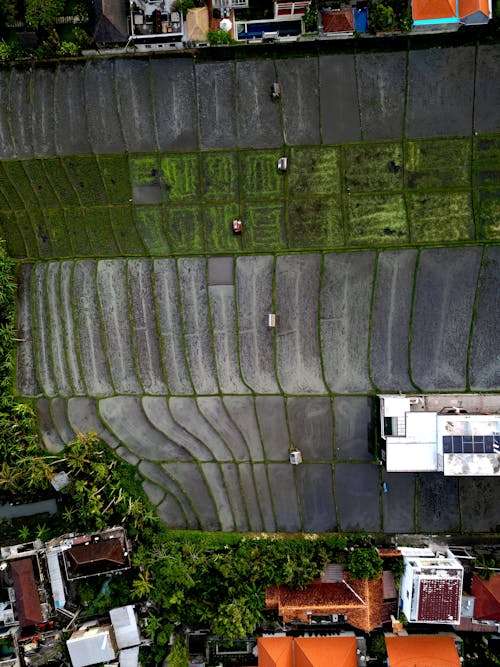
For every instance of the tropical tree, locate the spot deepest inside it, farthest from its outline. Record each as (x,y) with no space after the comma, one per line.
(364,563)
(42,13)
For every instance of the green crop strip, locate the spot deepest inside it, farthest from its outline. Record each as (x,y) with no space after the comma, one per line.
(362,195)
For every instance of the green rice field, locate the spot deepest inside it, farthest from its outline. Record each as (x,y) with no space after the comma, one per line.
(364,195)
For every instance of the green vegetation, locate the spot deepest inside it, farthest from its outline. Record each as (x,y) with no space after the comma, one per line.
(220,37)
(313,223)
(264,227)
(181,176)
(364,563)
(260,178)
(151,229)
(373,167)
(377,219)
(363,195)
(442,163)
(220,175)
(185,228)
(314,171)
(218,227)
(441,216)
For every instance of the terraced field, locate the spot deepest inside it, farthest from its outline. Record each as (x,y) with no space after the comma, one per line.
(143,318)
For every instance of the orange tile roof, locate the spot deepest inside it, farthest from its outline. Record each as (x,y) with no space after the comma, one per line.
(325,652)
(433,9)
(361,601)
(487,594)
(468,7)
(275,651)
(422,651)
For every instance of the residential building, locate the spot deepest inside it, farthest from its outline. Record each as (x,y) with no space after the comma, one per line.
(449,14)
(458,435)
(307,651)
(431,587)
(358,602)
(421,651)
(94,644)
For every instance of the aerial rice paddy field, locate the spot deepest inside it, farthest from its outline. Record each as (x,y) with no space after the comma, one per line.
(143,318)
(332,197)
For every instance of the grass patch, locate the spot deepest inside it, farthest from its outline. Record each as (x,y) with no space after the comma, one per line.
(220,175)
(116,176)
(181,176)
(151,229)
(377,220)
(145,170)
(185,229)
(24,224)
(260,178)
(60,240)
(440,216)
(12,234)
(56,172)
(486,165)
(77,232)
(86,178)
(18,176)
(41,184)
(315,223)
(264,227)
(126,234)
(4,204)
(313,171)
(100,231)
(219,236)
(373,167)
(489,215)
(440,163)
(9,192)
(41,232)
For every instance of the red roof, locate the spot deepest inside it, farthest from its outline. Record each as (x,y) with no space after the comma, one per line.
(29,611)
(433,9)
(439,600)
(487,594)
(422,651)
(338,21)
(96,557)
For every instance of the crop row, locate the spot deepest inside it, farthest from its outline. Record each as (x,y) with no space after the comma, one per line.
(366,195)
(346,323)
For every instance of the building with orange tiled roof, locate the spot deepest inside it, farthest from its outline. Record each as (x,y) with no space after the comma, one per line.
(450,12)
(422,651)
(307,652)
(359,600)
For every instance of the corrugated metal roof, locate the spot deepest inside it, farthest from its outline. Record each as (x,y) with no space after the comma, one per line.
(56,582)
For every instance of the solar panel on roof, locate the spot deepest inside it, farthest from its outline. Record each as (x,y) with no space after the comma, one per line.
(447,444)
(471,444)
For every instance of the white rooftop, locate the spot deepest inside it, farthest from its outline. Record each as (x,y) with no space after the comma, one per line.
(458,435)
(125,626)
(90,646)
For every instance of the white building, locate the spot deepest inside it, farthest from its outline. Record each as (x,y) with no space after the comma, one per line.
(455,434)
(431,587)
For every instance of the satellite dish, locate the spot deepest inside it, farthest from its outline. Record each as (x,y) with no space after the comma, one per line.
(225,25)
